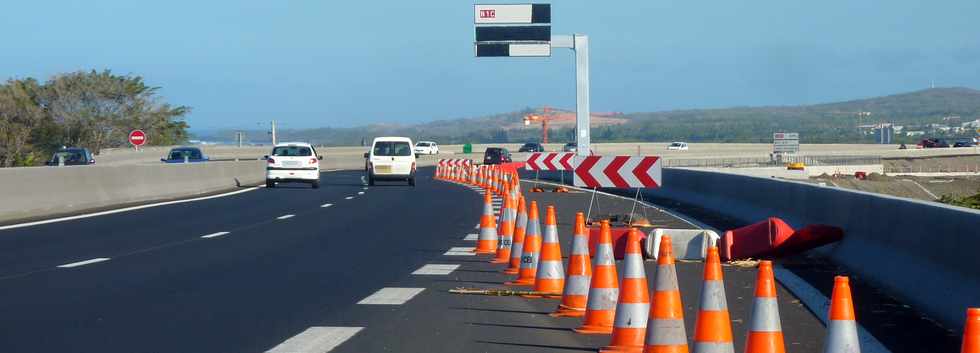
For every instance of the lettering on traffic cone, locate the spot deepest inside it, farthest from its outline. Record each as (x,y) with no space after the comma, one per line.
(713,328)
(971,332)
(508,215)
(765,330)
(486,243)
(530,251)
(842,336)
(550,276)
(600,310)
(665,328)
(517,242)
(575,296)
(633,308)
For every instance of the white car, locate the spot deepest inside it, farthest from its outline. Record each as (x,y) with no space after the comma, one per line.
(426,147)
(677,146)
(391,158)
(293,162)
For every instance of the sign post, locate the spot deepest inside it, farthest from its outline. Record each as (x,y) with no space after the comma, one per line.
(137,138)
(524,30)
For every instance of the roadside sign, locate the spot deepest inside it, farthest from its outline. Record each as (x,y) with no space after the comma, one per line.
(512,30)
(137,138)
(785,142)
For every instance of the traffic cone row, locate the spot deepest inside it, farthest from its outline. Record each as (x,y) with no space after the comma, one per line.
(600,308)
(486,243)
(528,270)
(575,295)
(550,274)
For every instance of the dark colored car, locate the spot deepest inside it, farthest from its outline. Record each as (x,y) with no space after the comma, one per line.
(934,143)
(71,156)
(963,143)
(182,154)
(531,147)
(496,155)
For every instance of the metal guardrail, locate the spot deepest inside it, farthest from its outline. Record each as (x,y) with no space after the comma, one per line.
(771,161)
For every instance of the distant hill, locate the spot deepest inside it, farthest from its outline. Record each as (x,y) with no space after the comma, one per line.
(819,123)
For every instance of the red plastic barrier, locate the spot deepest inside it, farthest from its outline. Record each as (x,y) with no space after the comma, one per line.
(754,240)
(809,237)
(618,238)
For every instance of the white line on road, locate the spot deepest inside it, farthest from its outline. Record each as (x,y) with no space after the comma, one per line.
(316,340)
(435,269)
(472,237)
(391,296)
(364,188)
(460,251)
(476,226)
(326,205)
(83,263)
(360,193)
(286,216)
(349,198)
(214,235)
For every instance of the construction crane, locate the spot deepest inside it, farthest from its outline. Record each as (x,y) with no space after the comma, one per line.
(543,118)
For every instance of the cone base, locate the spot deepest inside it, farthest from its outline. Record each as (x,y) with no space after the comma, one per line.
(510,271)
(621,349)
(499,261)
(594,330)
(562,312)
(484,252)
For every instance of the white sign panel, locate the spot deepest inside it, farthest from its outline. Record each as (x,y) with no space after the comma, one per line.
(786,142)
(486,14)
(786,136)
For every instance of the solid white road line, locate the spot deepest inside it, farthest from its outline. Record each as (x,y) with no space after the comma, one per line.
(476,226)
(316,340)
(391,296)
(472,237)
(126,209)
(349,198)
(460,251)
(326,205)
(360,193)
(435,269)
(83,263)
(286,216)
(214,235)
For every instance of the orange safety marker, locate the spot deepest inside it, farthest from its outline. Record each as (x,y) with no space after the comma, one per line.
(550,276)
(517,242)
(765,330)
(842,333)
(713,328)
(576,293)
(530,252)
(971,332)
(665,328)
(630,325)
(486,243)
(600,311)
(508,216)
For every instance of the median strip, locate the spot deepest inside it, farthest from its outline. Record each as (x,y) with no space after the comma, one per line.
(391,296)
(83,263)
(316,340)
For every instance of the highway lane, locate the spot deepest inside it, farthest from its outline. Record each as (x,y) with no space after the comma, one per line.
(165,289)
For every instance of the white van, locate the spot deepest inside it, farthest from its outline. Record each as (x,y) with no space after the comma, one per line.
(391,158)
(293,161)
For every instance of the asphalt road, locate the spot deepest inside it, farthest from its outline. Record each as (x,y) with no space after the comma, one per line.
(277,283)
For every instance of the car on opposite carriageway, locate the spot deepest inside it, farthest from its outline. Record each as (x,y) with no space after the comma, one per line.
(185,155)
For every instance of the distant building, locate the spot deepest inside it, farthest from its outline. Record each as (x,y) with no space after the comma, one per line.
(971,124)
(884,134)
(915,133)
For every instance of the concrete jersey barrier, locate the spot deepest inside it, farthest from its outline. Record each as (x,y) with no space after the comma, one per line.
(689,244)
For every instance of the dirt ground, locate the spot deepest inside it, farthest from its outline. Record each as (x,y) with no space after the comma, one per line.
(952,163)
(922,188)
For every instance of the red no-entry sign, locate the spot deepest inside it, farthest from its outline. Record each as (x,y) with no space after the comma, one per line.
(137,138)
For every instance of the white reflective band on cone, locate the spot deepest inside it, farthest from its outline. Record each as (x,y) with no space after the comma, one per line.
(577,285)
(632,315)
(550,270)
(633,266)
(842,337)
(603,298)
(580,246)
(666,332)
(713,296)
(713,347)
(604,255)
(765,316)
(666,278)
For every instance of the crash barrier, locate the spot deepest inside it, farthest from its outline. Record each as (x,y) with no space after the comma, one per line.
(921,252)
(771,161)
(689,244)
(773,237)
(45,191)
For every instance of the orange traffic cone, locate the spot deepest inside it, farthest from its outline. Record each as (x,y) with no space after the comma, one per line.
(517,242)
(665,328)
(486,243)
(530,251)
(633,308)
(971,332)
(713,328)
(508,216)
(842,333)
(576,293)
(600,311)
(550,276)
(765,330)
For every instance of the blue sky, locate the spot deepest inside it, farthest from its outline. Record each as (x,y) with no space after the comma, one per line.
(313,63)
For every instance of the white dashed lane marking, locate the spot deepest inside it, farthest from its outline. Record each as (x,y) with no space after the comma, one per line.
(326,205)
(472,237)
(349,198)
(391,296)
(214,235)
(286,216)
(360,193)
(435,269)
(460,251)
(83,263)
(316,340)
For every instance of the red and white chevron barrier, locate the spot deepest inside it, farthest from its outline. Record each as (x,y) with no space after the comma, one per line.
(550,161)
(618,172)
(455,162)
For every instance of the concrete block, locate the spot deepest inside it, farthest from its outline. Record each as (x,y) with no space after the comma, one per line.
(688,244)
